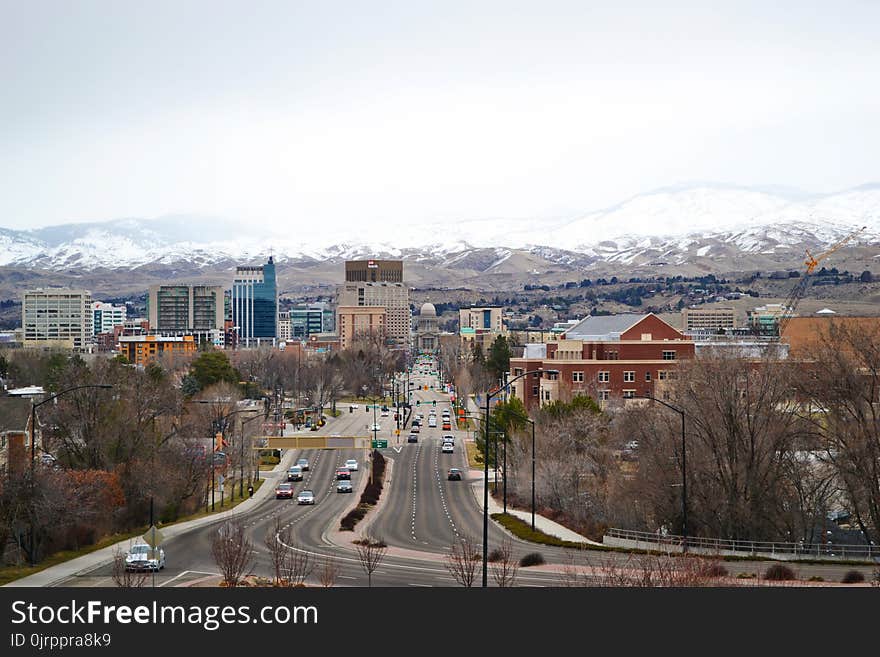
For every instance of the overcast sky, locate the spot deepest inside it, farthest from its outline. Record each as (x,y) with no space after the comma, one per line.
(348,112)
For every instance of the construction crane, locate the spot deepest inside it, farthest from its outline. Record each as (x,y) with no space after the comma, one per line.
(794,298)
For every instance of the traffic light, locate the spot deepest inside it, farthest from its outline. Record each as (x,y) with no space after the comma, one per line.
(418,402)
(434,403)
(367,408)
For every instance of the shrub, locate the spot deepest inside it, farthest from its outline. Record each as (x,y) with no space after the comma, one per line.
(746,576)
(779,573)
(853,577)
(817,578)
(713,569)
(495,555)
(532,559)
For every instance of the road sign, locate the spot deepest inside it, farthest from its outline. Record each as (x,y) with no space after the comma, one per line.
(153,537)
(378,444)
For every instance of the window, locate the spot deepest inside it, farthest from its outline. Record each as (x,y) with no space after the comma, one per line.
(629,376)
(662,375)
(603,395)
(648,376)
(577,377)
(517,371)
(668,355)
(629,394)
(535,391)
(604,377)
(612,355)
(552,376)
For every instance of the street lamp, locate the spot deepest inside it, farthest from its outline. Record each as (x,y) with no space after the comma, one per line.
(103,386)
(684,508)
(241,456)
(489,395)
(532,422)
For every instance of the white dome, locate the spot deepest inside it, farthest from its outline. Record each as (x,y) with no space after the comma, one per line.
(428,309)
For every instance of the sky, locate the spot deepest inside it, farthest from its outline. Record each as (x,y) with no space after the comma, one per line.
(362,115)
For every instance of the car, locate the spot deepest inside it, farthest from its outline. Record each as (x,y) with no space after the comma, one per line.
(343,473)
(454,474)
(416,429)
(375,427)
(283,491)
(446,448)
(354,407)
(344,486)
(412,438)
(142,557)
(304,464)
(448,438)
(432,421)
(295,473)
(419,417)
(306,497)
(384,413)
(447,426)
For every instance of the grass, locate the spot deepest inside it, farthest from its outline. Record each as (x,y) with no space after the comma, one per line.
(12,573)
(475,459)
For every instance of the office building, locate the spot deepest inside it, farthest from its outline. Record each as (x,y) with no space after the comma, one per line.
(106,316)
(57,317)
(708,318)
(306,320)
(479,326)
(359,322)
(181,308)
(254,304)
(384,287)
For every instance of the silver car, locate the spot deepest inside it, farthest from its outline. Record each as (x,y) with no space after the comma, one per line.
(143,557)
(306,497)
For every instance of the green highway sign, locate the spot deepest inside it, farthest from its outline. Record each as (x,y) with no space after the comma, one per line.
(379,444)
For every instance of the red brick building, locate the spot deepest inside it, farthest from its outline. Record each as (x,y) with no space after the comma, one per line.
(605,357)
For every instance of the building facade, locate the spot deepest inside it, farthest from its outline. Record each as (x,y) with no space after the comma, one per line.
(106,316)
(182,308)
(708,318)
(354,322)
(388,291)
(254,304)
(144,349)
(605,357)
(427,336)
(57,317)
(764,320)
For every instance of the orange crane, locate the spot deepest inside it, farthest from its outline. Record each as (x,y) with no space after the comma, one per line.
(800,289)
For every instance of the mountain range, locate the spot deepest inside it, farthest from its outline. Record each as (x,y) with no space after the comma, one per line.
(682,229)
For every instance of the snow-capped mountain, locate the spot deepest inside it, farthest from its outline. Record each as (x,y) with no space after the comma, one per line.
(669,226)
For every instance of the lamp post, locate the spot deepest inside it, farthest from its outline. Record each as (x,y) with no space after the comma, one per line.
(241,457)
(489,396)
(103,386)
(684,508)
(532,422)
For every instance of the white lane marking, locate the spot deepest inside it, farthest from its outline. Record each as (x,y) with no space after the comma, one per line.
(185,572)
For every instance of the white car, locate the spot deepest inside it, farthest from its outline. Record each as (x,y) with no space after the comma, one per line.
(351,464)
(383,413)
(432,421)
(306,497)
(447,448)
(354,406)
(449,438)
(375,427)
(143,557)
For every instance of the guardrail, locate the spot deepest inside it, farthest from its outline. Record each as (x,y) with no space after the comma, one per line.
(798,550)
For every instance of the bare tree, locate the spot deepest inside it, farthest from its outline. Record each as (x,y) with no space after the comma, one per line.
(233,552)
(124,577)
(462,560)
(370,552)
(277,540)
(505,568)
(329,571)
(299,565)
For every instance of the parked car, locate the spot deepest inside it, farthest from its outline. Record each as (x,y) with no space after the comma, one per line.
(412,438)
(142,557)
(304,464)
(283,491)
(343,473)
(306,497)
(454,474)
(447,448)
(295,473)
(352,465)
(344,486)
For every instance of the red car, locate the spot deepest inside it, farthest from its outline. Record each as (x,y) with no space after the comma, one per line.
(284,490)
(343,473)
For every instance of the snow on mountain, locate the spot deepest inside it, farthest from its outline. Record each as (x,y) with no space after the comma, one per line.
(673,224)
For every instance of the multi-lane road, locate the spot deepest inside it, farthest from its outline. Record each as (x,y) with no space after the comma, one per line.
(420,515)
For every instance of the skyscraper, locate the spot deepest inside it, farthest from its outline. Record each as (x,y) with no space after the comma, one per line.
(183,307)
(379,283)
(255,304)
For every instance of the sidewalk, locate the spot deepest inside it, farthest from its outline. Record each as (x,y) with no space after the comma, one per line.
(56,575)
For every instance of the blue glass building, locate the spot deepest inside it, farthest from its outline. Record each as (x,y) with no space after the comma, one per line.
(254,304)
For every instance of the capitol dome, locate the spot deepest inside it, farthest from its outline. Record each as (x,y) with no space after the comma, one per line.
(428,310)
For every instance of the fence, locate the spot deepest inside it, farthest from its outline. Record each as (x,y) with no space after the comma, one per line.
(778,550)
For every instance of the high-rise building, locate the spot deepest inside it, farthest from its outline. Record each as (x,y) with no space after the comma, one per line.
(57,317)
(379,283)
(354,322)
(105,316)
(185,308)
(479,326)
(254,304)
(309,319)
